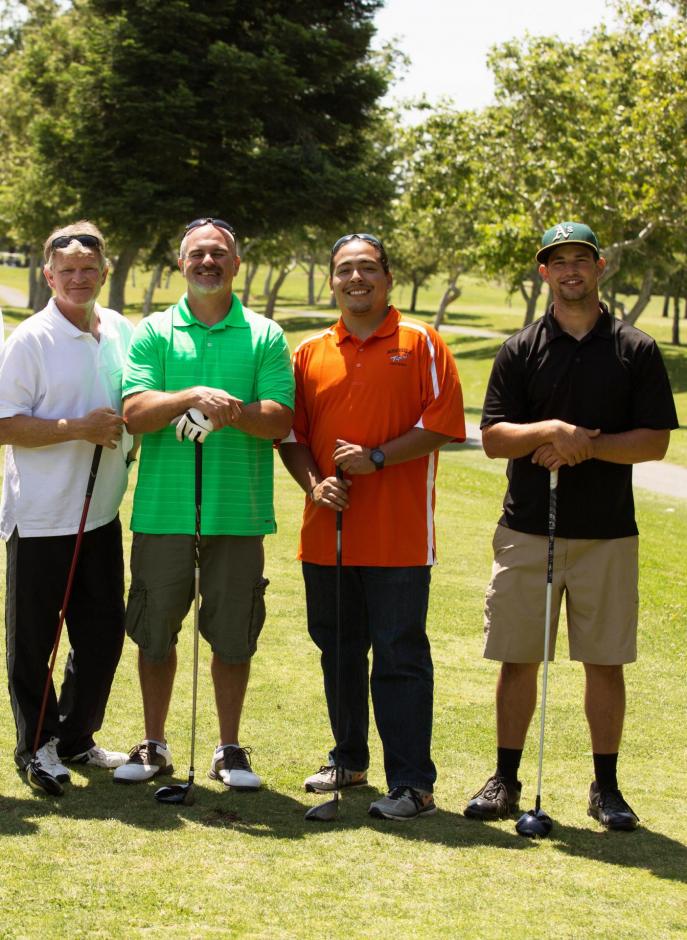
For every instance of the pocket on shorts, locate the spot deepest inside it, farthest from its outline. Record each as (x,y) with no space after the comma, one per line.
(258,613)
(135,619)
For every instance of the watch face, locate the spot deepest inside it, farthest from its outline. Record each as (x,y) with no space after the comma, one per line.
(377,458)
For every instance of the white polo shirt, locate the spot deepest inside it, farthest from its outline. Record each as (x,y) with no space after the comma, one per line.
(50,369)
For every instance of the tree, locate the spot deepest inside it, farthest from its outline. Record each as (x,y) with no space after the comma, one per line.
(171,110)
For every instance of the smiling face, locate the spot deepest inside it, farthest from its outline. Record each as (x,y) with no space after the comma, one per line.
(75,275)
(359,282)
(573,273)
(209,262)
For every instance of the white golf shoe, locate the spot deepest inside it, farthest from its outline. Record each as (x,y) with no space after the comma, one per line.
(49,760)
(231,765)
(146,760)
(99,757)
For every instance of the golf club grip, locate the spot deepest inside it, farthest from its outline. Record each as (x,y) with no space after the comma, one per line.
(339,514)
(95,463)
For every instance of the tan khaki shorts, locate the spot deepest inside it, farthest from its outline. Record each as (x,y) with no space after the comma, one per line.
(232,588)
(599,579)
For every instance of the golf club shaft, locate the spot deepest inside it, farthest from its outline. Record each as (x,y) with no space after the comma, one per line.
(553,484)
(196,605)
(339,618)
(97,453)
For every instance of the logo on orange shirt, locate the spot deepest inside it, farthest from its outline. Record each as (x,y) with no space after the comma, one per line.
(398,355)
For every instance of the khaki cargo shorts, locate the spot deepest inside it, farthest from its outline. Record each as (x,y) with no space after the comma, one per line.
(599,580)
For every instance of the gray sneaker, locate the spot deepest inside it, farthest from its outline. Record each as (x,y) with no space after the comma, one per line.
(403,803)
(324,781)
(231,765)
(49,760)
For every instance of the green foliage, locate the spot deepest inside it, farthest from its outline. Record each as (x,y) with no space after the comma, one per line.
(144,114)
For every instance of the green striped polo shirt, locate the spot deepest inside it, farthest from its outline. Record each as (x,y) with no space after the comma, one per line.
(246,355)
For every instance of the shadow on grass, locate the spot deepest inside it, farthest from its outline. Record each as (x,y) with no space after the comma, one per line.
(653,851)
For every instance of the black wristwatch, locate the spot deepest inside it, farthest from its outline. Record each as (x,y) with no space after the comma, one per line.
(377,457)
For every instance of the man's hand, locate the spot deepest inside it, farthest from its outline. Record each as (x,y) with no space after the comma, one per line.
(101,426)
(572,444)
(331,493)
(194,426)
(353,458)
(221,408)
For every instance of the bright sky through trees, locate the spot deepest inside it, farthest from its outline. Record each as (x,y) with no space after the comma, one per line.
(448,41)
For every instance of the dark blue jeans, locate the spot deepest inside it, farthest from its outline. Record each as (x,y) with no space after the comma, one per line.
(385,609)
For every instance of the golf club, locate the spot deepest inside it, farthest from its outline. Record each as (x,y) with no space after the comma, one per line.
(326,812)
(536,824)
(183,792)
(38,776)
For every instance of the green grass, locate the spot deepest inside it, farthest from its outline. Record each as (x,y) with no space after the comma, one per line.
(110,862)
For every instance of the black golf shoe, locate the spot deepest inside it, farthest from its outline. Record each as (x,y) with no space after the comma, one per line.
(497,799)
(610,809)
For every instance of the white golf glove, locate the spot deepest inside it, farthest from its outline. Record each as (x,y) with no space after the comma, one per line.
(194,426)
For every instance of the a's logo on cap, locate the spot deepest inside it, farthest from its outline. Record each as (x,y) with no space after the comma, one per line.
(562,231)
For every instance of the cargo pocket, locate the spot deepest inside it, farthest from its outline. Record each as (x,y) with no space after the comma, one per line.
(258,614)
(135,620)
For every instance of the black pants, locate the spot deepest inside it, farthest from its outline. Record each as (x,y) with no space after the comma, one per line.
(37,571)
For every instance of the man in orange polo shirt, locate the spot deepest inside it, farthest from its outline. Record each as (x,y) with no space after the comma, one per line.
(377,395)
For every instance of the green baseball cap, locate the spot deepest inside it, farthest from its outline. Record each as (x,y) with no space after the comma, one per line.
(567,233)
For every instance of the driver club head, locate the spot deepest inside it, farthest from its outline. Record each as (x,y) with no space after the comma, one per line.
(40,779)
(534,825)
(325,812)
(177,793)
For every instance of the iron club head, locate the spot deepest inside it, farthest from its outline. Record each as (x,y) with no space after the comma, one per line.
(325,812)
(40,779)
(176,793)
(534,825)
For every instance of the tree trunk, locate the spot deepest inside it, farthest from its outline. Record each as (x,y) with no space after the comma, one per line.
(643,298)
(168,279)
(451,293)
(153,283)
(413,295)
(533,296)
(119,275)
(251,270)
(34,274)
(268,283)
(666,305)
(276,287)
(41,291)
(675,340)
(325,283)
(312,301)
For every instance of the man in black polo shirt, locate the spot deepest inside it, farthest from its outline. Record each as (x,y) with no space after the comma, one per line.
(580,391)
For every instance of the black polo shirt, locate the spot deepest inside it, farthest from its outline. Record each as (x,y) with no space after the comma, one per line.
(614,379)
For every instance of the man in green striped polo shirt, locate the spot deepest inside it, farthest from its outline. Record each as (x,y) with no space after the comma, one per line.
(211,354)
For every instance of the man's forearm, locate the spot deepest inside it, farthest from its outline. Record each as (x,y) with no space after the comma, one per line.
(505,439)
(415,443)
(150,411)
(299,461)
(634,446)
(27,431)
(267,419)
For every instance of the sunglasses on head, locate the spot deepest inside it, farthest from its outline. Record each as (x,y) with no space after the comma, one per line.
(219,223)
(88,241)
(361,236)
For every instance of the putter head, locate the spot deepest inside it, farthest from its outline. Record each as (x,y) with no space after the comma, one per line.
(178,793)
(534,825)
(325,812)
(40,779)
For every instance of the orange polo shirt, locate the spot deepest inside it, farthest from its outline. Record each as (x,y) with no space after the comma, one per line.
(368,392)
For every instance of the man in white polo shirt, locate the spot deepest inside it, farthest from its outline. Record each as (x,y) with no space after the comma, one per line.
(60,395)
